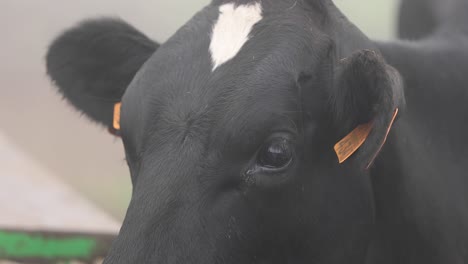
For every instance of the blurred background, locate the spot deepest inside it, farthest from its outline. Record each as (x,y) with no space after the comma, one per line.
(42,136)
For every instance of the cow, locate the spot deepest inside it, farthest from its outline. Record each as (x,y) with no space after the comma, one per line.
(275,131)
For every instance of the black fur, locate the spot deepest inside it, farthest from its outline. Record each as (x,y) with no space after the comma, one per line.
(367,90)
(420,179)
(417,20)
(307,76)
(421,19)
(93,63)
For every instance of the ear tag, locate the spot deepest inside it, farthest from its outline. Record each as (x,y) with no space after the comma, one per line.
(352,142)
(395,114)
(116,122)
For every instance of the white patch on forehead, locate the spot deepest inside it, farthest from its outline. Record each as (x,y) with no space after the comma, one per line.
(232,30)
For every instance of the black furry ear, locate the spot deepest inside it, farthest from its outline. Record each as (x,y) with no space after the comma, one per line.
(368,94)
(93,63)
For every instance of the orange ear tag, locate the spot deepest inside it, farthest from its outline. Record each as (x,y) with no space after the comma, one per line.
(395,114)
(352,142)
(116,122)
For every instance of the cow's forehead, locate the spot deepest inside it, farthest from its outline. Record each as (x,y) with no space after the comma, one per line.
(228,51)
(232,30)
(222,29)
(235,23)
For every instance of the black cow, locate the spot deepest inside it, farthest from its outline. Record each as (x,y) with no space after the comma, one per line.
(230,128)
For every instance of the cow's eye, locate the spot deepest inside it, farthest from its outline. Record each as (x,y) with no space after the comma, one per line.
(276,154)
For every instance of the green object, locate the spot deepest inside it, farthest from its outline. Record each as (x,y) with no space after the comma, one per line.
(47,247)
(22,245)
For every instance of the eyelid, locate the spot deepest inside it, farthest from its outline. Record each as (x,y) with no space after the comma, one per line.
(284,135)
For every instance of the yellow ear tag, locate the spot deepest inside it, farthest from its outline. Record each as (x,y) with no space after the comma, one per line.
(352,142)
(116,122)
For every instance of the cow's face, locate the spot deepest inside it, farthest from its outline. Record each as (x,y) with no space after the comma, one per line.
(229,130)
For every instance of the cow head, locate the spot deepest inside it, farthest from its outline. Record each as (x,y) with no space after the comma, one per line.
(229,129)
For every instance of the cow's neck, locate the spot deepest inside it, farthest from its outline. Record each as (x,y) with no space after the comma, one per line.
(413,198)
(419,176)
(396,226)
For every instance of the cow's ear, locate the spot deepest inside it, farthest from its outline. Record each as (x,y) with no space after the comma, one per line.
(367,96)
(93,63)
